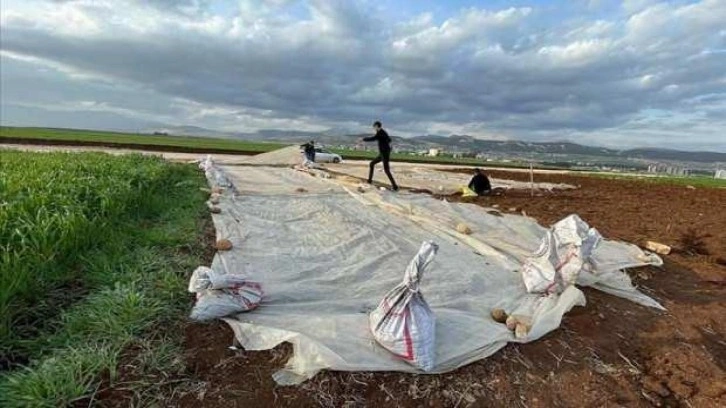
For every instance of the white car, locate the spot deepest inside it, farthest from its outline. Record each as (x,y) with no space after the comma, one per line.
(324,156)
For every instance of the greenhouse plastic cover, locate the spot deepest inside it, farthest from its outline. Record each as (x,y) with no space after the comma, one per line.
(327,255)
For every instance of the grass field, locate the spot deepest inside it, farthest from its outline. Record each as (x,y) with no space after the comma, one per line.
(99,138)
(194,144)
(95,250)
(113,138)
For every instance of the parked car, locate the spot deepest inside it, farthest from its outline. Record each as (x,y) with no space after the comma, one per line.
(324,156)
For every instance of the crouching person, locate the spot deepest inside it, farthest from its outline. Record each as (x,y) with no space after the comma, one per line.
(480,184)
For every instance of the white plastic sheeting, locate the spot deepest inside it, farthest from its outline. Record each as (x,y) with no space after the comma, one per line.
(326,258)
(440,182)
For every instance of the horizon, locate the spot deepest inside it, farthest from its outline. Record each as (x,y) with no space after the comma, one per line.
(240,137)
(635,74)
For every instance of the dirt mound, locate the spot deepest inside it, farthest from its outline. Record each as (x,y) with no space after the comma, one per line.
(287,156)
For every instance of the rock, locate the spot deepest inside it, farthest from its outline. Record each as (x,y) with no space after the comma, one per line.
(215,210)
(214,200)
(495,206)
(658,248)
(217,190)
(521,330)
(514,320)
(463,228)
(361,189)
(513,209)
(511,323)
(690,187)
(223,245)
(301,190)
(499,315)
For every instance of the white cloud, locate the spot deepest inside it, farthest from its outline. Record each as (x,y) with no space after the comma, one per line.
(515,72)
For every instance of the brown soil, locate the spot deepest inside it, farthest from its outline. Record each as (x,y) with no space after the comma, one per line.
(610,353)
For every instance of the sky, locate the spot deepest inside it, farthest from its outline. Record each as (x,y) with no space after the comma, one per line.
(635,73)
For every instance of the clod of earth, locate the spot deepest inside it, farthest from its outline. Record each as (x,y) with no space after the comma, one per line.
(301,190)
(223,245)
(361,189)
(499,315)
(658,248)
(519,320)
(214,200)
(511,323)
(215,210)
(463,228)
(521,330)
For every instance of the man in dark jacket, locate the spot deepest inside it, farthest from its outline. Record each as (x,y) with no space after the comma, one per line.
(480,183)
(309,149)
(384,153)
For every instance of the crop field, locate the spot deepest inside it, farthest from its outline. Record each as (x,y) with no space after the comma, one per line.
(111,139)
(71,137)
(94,249)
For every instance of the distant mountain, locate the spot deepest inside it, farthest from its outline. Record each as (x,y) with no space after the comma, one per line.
(458,143)
(666,154)
(513,146)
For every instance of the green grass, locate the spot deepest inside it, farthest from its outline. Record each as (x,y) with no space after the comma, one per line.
(131,254)
(99,137)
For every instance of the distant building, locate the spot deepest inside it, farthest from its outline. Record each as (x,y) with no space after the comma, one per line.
(668,169)
(433,152)
(720,174)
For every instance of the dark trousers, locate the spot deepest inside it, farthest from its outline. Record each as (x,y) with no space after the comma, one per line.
(384,157)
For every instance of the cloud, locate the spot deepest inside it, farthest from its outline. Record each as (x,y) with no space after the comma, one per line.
(521,72)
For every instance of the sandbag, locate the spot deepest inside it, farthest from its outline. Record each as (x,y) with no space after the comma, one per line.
(564,252)
(220,295)
(403,323)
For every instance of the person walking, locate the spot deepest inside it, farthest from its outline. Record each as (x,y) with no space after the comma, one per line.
(309,149)
(384,153)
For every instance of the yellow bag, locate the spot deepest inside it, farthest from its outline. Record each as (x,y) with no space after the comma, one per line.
(467,192)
